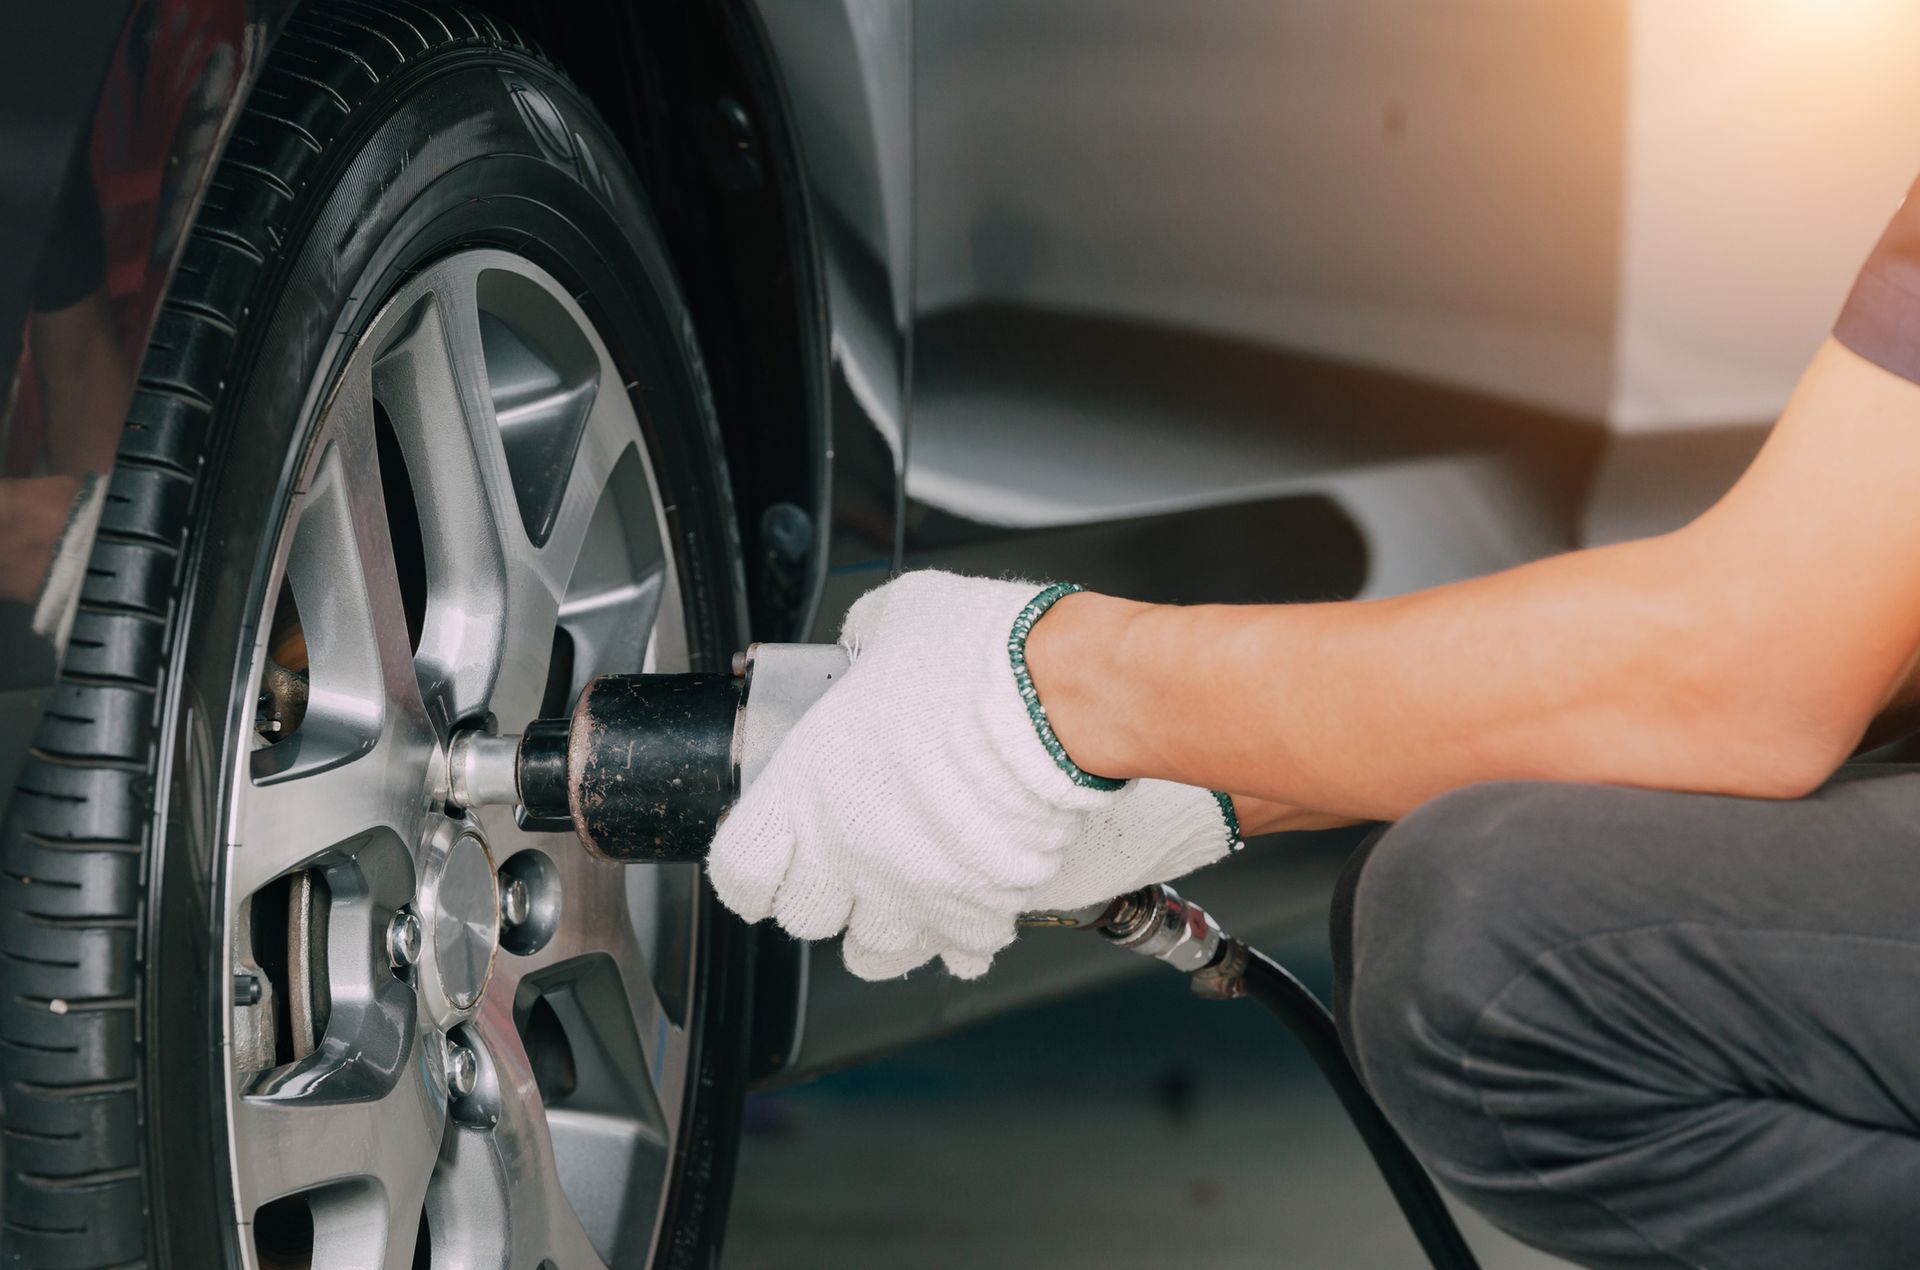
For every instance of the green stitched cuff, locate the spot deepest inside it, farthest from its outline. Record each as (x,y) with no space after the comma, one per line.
(1017,653)
(1234,841)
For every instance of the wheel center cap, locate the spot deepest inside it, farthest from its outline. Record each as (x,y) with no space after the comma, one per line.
(466,921)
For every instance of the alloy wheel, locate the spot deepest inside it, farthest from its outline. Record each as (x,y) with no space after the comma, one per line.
(455,1039)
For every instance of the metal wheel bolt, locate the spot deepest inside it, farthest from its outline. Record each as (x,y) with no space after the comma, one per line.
(516,901)
(246,988)
(403,938)
(463,1070)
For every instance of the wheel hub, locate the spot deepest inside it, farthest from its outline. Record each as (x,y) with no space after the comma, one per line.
(465,921)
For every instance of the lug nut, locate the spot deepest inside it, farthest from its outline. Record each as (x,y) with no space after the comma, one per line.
(403,938)
(516,901)
(463,1070)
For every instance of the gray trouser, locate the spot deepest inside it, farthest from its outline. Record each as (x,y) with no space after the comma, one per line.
(1643,1029)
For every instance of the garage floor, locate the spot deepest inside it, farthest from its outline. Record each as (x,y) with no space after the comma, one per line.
(1135,1127)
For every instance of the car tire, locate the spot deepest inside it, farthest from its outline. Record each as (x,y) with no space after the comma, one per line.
(377,141)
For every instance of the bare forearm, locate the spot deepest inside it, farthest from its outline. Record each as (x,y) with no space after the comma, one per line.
(1744,654)
(1367,709)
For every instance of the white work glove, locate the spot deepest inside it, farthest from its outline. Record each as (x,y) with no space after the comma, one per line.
(923,803)
(1151,831)
(914,805)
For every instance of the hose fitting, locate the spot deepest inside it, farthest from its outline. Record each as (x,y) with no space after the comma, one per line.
(1155,922)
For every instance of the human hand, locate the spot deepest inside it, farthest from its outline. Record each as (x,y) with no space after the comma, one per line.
(917,805)
(1151,831)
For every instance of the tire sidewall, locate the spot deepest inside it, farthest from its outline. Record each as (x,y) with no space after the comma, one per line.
(468,148)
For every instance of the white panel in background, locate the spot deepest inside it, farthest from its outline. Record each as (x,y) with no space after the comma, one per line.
(1768,141)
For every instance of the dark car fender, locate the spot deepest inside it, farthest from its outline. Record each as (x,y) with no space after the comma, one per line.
(115,112)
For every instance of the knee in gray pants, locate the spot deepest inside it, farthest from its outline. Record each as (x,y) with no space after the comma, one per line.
(1482,1052)
(1650,1029)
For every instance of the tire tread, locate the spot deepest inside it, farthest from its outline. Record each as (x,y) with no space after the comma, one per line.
(77,832)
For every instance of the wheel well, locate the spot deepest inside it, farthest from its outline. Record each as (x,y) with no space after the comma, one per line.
(694,97)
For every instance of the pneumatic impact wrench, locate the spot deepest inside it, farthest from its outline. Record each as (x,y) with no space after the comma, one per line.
(646,765)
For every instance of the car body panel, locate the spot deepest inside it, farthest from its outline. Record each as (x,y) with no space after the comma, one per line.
(1348,181)
(1623,211)
(846,70)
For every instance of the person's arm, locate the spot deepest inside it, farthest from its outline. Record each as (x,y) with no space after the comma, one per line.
(1256,816)
(963,769)
(1745,654)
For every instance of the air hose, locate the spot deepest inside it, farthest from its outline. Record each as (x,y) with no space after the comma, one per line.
(1156,922)
(1270,983)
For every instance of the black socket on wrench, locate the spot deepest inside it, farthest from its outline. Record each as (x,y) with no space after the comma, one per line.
(646,765)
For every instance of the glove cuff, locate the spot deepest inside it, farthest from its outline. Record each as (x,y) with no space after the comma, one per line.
(1235,840)
(1017,653)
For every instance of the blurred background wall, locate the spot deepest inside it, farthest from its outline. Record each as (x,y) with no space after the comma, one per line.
(1767,145)
(1636,211)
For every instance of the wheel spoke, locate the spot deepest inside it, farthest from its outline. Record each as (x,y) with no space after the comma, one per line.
(572,946)
(431,381)
(613,625)
(353,546)
(622,591)
(498,1195)
(544,1223)
(368,1226)
(359,759)
(285,823)
(607,436)
(596,927)
(524,652)
(345,583)
(652,1027)
(364,1166)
